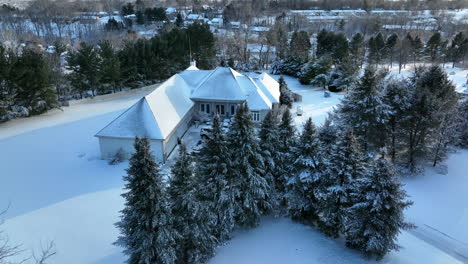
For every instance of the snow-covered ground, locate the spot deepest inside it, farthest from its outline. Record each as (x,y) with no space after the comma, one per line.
(457,75)
(60,190)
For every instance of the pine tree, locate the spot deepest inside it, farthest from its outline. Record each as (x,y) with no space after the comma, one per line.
(286,97)
(300,46)
(433,96)
(251,188)
(433,46)
(390,45)
(269,135)
(216,188)
(192,219)
(302,186)
(356,49)
(458,48)
(416,48)
(342,166)
(147,231)
(109,66)
(179,20)
(364,110)
(84,64)
(395,97)
(286,147)
(376,218)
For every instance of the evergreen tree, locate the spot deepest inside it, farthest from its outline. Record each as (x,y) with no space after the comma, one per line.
(147,231)
(458,48)
(390,46)
(300,46)
(356,49)
(376,218)
(84,64)
(327,132)
(286,147)
(269,135)
(416,48)
(192,219)
(433,46)
(314,68)
(432,97)
(286,97)
(30,79)
(128,9)
(302,185)
(342,166)
(376,48)
(109,66)
(179,20)
(251,188)
(395,97)
(216,187)
(364,110)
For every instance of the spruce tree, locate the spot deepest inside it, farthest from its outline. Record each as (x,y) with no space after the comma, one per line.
(396,96)
(364,110)
(216,189)
(192,219)
(286,97)
(342,166)
(286,147)
(146,226)
(269,135)
(251,187)
(376,218)
(302,186)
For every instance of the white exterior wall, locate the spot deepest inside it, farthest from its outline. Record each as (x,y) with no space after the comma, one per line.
(110,146)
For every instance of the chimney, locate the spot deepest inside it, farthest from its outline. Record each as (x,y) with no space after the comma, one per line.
(193,63)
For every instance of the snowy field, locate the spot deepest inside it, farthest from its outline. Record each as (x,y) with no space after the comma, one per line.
(58,189)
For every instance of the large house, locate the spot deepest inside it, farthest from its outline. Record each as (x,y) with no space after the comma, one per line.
(165,115)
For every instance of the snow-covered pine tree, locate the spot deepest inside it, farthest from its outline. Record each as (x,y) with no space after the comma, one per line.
(433,97)
(342,166)
(269,135)
(286,96)
(252,189)
(376,218)
(146,226)
(396,96)
(301,186)
(215,187)
(327,132)
(364,111)
(192,219)
(286,144)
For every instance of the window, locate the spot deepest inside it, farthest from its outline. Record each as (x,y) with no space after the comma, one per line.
(205,108)
(220,109)
(233,110)
(256,116)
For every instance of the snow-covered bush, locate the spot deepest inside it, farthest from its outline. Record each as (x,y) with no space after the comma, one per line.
(289,67)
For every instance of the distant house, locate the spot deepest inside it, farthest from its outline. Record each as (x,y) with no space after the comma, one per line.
(164,116)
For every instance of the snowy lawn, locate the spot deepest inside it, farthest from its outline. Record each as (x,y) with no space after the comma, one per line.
(440,200)
(279,241)
(60,190)
(313,103)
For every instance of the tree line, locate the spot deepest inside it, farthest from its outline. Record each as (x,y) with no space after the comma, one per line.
(337,59)
(34,81)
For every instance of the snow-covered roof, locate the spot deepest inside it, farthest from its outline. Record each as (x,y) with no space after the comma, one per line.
(194,17)
(171,10)
(154,116)
(220,84)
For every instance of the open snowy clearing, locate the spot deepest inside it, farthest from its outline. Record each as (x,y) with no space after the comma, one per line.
(60,190)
